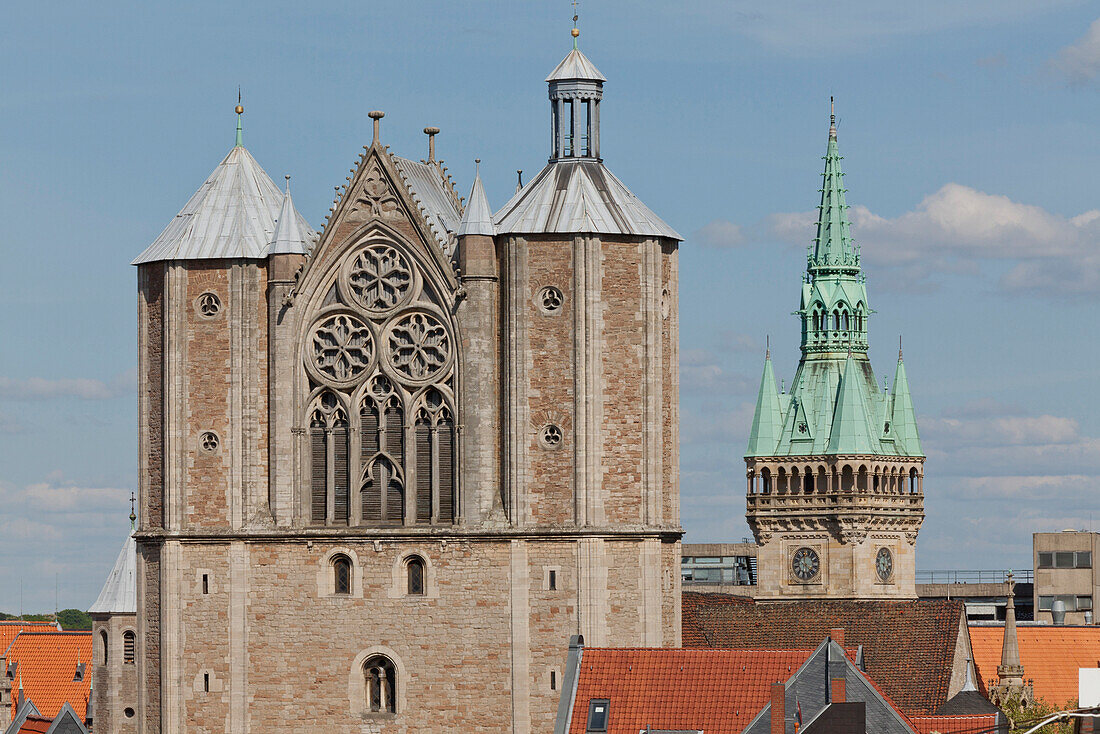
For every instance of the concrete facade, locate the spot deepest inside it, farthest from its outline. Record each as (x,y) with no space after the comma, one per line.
(1065,569)
(564,517)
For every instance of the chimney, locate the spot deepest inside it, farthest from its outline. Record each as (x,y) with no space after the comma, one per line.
(779,709)
(837,633)
(836,690)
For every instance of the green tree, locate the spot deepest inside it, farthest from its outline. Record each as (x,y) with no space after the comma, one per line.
(74,619)
(1025,717)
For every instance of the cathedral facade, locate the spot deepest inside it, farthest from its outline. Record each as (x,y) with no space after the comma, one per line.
(387,469)
(835,469)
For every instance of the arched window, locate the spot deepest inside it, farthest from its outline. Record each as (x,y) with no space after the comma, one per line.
(381,680)
(435,460)
(836,321)
(328,433)
(128,644)
(766,479)
(383,493)
(808,482)
(103,645)
(845,322)
(414,572)
(341,575)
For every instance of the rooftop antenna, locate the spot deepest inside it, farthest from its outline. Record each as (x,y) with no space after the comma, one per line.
(240,111)
(575,30)
(133,498)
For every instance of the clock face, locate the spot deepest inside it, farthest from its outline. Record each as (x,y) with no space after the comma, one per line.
(805,564)
(884,564)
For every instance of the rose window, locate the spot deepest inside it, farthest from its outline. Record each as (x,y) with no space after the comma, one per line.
(419,346)
(551,436)
(342,348)
(380,279)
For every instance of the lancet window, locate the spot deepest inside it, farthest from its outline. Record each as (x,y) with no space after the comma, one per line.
(380,359)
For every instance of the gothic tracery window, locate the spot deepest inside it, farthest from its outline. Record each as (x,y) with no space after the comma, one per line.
(380,357)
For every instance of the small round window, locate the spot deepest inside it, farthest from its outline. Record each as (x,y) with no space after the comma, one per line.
(209,442)
(128,712)
(208,305)
(551,436)
(550,299)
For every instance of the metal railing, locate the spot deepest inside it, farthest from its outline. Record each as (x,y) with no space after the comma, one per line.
(1022,576)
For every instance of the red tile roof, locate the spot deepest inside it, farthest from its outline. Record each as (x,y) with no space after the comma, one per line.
(718,691)
(1050,655)
(10,628)
(47,665)
(953,724)
(35,725)
(908,646)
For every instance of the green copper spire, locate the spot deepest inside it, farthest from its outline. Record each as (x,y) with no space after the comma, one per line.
(767,423)
(833,250)
(240,111)
(851,431)
(903,421)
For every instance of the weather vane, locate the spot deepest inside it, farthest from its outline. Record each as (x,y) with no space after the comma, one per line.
(575,31)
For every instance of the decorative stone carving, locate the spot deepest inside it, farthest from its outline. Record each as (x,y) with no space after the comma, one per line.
(376,200)
(341,349)
(379,278)
(419,347)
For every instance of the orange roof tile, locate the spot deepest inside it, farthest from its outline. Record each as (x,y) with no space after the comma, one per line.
(47,665)
(35,725)
(9,628)
(953,724)
(1050,655)
(718,691)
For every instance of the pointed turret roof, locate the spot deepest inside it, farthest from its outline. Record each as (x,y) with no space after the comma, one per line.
(851,430)
(576,66)
(833,248)
(903,421)
(289,237)
(232,215)
(119,593)
(767,422)
(477,219)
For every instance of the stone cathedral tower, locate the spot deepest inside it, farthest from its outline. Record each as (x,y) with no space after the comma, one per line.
(835,468)
(388,469)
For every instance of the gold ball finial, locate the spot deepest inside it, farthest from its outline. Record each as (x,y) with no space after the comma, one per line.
(240,109)
(576,32)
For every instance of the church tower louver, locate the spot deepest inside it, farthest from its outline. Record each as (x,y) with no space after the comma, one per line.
(388,469)
(835,468)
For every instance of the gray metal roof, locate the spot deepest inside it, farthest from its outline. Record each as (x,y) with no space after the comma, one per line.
(576,66)
(579,196)
(119,594)
(289,238)
(437,200)
(477,217)
(232,215)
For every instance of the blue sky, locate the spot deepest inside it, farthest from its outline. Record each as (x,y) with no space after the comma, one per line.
(969,132)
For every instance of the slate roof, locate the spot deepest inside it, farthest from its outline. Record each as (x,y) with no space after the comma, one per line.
(47,664)
(1050,655)
(477,218)
(716,691)
(576,66)
(433,192)
(119,593)
(10,628)
(579,196)
(232,215)
(908,646)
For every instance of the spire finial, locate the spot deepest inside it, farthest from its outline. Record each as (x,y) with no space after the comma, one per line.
(832,119)
(377,116)
(575,32)
(899,347)
(431,132)
(768,346)
(240,111)
(133,517)
(287,177)
(477,167)
(519,180)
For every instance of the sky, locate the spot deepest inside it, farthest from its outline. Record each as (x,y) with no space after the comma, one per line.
(969,132)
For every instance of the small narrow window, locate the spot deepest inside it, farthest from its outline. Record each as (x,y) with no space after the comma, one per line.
(128,640)
(341,570)
(103,644)
(206,583)
(206,683)
(414,567)
(552,582)
(553,680)
(597,714)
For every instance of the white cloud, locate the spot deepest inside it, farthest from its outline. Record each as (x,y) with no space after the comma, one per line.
(957,228)
(1079,62)
(720,233)
(38,388)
